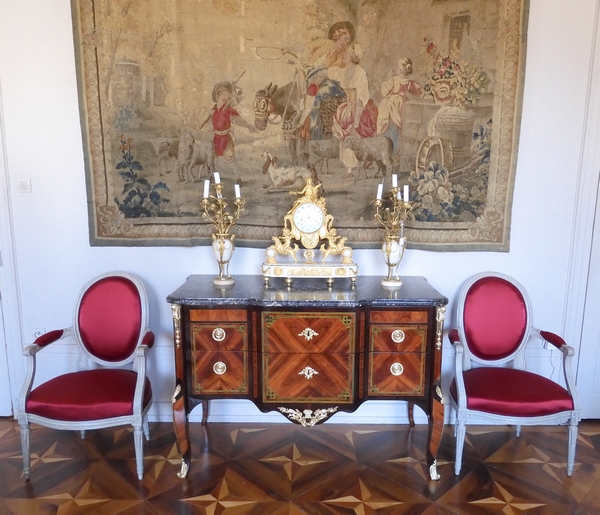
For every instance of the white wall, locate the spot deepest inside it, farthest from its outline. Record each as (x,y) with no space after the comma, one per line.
(54,258)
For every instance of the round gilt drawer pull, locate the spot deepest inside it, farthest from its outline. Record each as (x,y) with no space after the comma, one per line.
(219,334)
(397,369)
(398,336)
(219,368)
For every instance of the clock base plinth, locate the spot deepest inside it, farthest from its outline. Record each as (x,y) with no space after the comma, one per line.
(328,271)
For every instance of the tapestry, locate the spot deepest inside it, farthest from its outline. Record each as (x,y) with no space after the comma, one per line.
(268,93)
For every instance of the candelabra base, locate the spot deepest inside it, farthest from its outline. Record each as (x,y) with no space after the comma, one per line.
(223,281)
(391,283)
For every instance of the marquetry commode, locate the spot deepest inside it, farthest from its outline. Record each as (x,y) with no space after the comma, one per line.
(307,350)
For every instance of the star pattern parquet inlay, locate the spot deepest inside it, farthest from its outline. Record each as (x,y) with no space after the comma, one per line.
(265,469)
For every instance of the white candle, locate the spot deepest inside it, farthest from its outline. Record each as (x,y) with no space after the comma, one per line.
(217,178)
(398,195)
(406,193)
(379,191)
(206,187)
(394,181)
(238,193)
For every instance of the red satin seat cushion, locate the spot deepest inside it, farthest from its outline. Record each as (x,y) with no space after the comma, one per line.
(506,391)
(87,395)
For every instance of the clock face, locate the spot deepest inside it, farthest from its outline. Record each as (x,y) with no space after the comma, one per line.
(308,217)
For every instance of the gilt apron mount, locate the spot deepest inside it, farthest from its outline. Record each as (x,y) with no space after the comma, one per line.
(270,92)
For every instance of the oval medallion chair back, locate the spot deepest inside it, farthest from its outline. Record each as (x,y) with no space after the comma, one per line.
(110,387)
(491,380)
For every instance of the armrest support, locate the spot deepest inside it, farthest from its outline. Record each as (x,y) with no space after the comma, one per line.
(454,337)
(139,366)
(458,373)
(30,352)
(568,354)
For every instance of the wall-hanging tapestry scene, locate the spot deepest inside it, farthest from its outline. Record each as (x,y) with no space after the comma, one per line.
(270,92)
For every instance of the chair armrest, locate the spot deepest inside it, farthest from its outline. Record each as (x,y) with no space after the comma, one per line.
(148,339)
(30,351)
(46,339)
(51,337)
(550,337)
(454,336)
(567,351)
(568,354)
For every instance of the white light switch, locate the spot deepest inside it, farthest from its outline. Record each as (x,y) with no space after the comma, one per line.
(24,186)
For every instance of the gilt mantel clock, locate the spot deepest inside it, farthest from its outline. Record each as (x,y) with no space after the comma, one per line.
(306,225)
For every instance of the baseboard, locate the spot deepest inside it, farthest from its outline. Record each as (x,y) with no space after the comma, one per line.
(243,411)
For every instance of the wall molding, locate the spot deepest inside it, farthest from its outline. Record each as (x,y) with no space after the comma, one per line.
(11,341)
(586,203)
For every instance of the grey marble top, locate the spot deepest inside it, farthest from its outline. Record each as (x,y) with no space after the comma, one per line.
(251,290)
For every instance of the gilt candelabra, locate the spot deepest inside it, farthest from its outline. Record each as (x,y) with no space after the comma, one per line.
(215,210)
(392,217)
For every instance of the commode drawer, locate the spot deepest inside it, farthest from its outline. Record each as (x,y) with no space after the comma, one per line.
(308,357)
(219,351)
(397,353)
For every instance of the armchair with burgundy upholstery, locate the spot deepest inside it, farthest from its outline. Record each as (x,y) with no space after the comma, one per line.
(491,382)
(110,387)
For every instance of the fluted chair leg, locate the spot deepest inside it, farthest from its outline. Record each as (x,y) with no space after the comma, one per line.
(572,445)
(25,450)
(461,429)
(146,428)
(139,450)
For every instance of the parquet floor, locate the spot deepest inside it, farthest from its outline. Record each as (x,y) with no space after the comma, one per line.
(240,469)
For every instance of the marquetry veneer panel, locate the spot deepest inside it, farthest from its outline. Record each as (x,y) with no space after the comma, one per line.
(331,381)
(397,353)
(308,357)
(219,355)
(325,332)
(220,372)
(220,315)
(398,317)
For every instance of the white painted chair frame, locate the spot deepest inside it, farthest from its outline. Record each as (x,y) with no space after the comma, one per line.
(139,418)
(464,361)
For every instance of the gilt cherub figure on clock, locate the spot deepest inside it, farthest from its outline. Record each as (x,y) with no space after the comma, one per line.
(306,225)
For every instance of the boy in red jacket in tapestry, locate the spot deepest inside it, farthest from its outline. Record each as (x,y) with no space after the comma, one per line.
(223,117)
